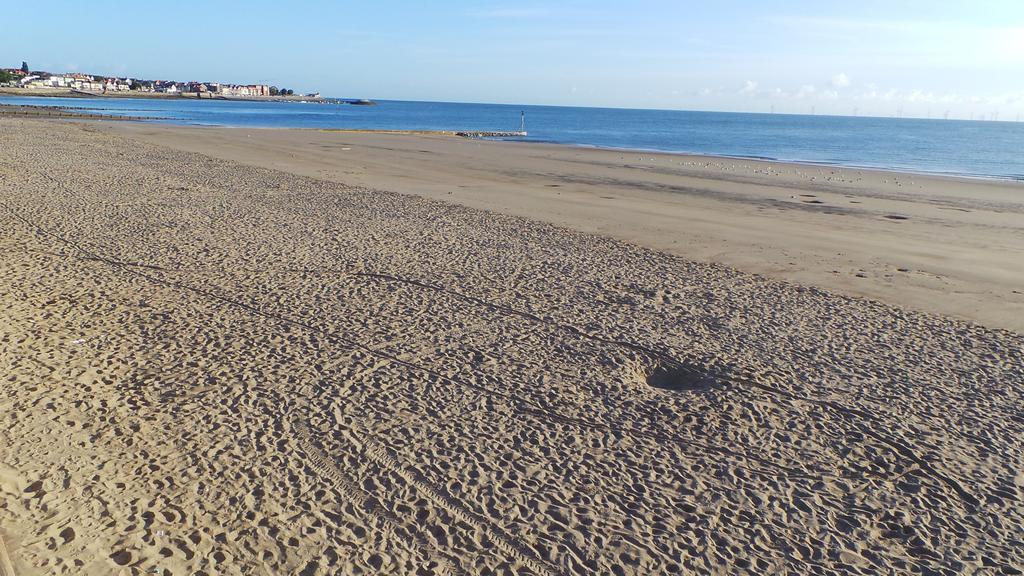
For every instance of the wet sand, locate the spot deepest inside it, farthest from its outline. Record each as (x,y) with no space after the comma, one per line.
(221,368)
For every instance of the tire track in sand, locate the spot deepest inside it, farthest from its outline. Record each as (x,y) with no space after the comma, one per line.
(322,463)
(383,457)
(441,498)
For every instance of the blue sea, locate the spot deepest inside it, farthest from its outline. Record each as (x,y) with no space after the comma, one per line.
(960,147)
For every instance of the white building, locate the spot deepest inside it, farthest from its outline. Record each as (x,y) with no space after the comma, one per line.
(86,85)
(117,85)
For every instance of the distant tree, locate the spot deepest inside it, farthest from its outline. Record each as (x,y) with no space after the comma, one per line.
(24,67)
(6,76)
(289,92)
(274,91)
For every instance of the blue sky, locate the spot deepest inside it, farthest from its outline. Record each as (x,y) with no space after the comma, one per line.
(875,57)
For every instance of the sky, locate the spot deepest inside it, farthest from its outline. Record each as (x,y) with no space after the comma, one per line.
(865,57)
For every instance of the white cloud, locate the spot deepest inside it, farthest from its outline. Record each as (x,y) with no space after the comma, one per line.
(749,87)
(806,90)
(840,80)
(920,96)
(1005,99)
(711,91)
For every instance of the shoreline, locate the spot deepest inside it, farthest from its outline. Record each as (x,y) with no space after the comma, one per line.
(458,134)
(1011,178)
(897,171)
(682,153)
(769,159)
(718,155)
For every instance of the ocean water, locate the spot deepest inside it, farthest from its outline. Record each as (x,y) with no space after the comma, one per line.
(969,148)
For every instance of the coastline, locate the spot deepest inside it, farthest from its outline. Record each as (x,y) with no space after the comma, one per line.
(789,161)
(895,170)
(49,111)
(267,364)
(991,171)
(941,244)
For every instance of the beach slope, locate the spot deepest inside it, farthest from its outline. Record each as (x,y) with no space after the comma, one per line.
(211,367)
(944,245)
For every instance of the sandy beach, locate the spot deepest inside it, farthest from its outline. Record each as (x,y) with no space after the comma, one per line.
(950,246)
(300,352)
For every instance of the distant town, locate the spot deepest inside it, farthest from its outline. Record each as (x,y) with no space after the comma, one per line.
(39,82)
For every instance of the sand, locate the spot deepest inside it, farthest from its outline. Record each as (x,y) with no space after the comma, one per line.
(216,368)
(948,246)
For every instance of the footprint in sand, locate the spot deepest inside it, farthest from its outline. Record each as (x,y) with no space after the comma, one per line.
(121,557)
(680,378)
